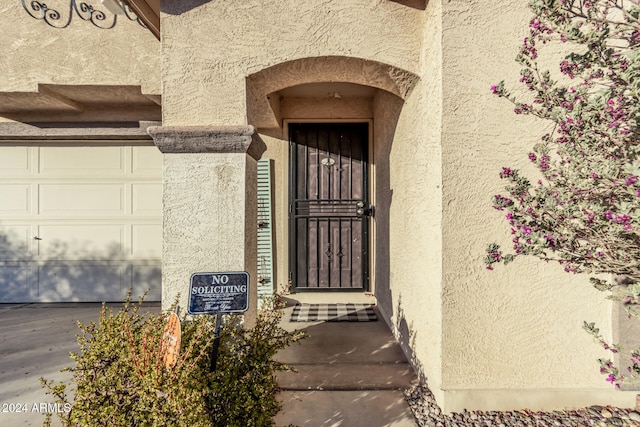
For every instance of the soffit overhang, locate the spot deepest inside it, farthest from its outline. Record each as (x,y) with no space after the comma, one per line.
(134,133)
(55,102)
(149,13)
(80,102)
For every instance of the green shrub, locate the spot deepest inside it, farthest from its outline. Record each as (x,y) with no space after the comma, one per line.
(119,378)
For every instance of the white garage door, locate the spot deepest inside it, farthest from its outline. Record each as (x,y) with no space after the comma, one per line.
(79,223)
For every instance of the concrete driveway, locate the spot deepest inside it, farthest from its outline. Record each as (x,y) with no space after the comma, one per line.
(35,341)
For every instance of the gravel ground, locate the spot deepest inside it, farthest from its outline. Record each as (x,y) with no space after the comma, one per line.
(428,414)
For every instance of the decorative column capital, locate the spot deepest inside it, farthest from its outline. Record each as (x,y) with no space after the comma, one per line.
(208,139)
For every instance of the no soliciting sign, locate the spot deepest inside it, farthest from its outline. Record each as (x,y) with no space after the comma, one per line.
(211,293)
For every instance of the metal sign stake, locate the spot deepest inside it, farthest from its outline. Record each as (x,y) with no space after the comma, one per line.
(218,293)
(216,342)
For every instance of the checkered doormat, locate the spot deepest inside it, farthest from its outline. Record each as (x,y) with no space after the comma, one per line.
(333,313)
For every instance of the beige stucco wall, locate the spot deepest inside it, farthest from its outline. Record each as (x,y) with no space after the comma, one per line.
(409,269)
(516,330)
(207,220)
(34,53)
(208,51)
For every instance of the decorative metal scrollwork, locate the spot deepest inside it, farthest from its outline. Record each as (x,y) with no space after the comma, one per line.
(85,11)
(328,253)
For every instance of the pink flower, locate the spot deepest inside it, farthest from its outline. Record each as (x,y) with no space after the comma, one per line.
(506,172)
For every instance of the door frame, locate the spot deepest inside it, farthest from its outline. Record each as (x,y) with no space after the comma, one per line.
(369,282)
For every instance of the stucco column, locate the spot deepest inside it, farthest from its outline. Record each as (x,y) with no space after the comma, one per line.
(209,205)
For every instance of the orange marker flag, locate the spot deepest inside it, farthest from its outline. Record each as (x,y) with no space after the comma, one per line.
(171,341)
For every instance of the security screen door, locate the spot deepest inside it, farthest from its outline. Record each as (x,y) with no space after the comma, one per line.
(329,206)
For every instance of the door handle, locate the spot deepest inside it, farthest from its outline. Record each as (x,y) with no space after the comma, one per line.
(364,210)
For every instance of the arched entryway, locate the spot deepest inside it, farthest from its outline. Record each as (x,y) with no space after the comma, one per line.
(337,115)
(318,75)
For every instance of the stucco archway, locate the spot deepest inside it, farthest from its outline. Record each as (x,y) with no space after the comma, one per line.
(263,109)
(296,91)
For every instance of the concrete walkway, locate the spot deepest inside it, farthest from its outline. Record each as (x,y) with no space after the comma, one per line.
(350,374)
(35,341)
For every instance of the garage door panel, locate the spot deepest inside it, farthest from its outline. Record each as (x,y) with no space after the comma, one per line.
(82,200)
(81,281)
(146,278)
(15,200)
(15,282)
(15,242)
(82,161)
(15,161)
(146,160)
(147,240)
(147,199)
(86,241)
(79,223)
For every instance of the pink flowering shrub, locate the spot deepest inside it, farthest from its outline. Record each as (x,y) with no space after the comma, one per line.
(584,213)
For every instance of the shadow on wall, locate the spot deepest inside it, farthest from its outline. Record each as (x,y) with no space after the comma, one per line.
(387,110)
(406,335)
(416,4)
(626,333)
(182,6)
(72,272)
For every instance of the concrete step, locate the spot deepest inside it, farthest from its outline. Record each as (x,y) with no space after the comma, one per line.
(348,376)
(354,408)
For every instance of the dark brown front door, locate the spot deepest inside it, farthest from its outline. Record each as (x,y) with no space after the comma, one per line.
(329,206)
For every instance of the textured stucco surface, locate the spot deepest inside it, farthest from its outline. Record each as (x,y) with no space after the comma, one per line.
(34,53)
(519,327)
(411,189)
(264,112)
(208,139)
(210,49)
(209,212)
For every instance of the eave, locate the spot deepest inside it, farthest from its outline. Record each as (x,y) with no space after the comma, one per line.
(149,13)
